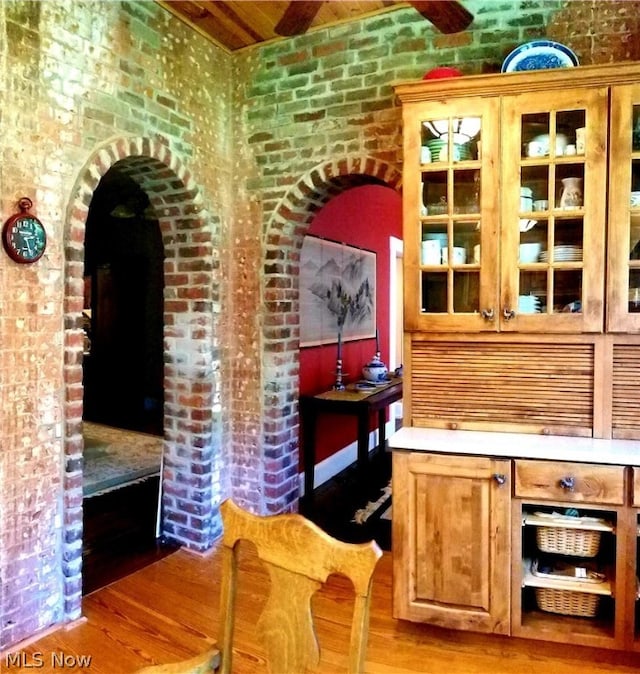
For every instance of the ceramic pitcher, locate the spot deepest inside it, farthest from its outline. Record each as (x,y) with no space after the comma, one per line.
(571,196)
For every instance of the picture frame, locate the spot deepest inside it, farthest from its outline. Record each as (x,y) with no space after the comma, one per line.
(337,292)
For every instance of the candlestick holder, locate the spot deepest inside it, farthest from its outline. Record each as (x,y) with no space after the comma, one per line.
(338,385)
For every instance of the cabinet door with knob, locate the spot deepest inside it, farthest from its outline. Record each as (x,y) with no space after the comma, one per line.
(554,177)
(451,537)
(623,298)
(451,214)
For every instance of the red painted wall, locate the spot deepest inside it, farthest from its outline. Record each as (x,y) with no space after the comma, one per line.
(364,217)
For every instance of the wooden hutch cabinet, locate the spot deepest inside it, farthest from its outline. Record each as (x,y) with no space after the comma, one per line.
(521,219)
(522,352)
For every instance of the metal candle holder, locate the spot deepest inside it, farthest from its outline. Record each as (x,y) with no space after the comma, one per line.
(338,384)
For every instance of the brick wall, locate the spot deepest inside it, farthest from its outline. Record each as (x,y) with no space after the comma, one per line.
(128,88)
(238,153)
(320,107)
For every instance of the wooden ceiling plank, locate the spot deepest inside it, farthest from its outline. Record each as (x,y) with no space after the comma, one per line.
(263,16)
(227,10)
(237,24)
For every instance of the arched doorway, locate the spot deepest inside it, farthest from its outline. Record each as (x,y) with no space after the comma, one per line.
(283,240)
(192,446)
(123,383)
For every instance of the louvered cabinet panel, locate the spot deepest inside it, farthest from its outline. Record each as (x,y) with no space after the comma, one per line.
(626,392)
(525,387)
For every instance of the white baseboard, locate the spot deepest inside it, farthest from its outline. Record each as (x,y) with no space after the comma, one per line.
(343,458)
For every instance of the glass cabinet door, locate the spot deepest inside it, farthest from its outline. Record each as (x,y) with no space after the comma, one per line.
(623,297)
(450,216)
(553,214)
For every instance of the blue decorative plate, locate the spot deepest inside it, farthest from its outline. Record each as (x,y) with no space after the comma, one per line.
(539,55)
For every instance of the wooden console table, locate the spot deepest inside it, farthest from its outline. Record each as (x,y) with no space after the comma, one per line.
(351,401)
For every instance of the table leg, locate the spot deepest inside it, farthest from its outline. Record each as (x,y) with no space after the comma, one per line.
(382,430)
(309,454)
(363,449)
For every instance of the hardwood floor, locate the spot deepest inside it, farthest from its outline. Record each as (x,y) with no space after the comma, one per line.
(169,611)
(119,534)
(338,499)
(119,526)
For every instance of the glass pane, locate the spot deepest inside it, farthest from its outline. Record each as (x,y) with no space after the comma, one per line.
(570,132)
(434,241)
(636,128)
(534,190)
(434,292)
(535,135)
(569,187)
(452,139)
(466,191)
(533,292)
(567,291)
(533,240)
(466,292)
(568,240)
(466,235)
(634,290)
(434,193)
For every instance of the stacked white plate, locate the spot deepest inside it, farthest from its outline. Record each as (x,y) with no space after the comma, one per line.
(528,304)
(563,254)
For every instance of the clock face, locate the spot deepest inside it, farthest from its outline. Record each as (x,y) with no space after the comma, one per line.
(24,238)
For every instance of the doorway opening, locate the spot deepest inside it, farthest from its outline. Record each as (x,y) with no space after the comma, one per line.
(192,447)
(123,374)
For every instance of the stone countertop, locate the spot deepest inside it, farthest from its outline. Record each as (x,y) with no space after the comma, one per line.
(517,445)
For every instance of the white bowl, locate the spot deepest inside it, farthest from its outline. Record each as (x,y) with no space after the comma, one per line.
(529,252)
(635,199)
(543,141)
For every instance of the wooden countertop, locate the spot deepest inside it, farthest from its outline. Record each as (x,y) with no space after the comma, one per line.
(517,445)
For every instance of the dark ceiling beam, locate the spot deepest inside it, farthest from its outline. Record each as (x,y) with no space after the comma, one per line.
(448,16)
(298,17)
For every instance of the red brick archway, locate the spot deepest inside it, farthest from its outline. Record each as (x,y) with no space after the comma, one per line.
(281,333)
(192,444)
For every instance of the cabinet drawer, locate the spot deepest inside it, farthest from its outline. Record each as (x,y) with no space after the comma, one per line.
(573,482)
(636,486)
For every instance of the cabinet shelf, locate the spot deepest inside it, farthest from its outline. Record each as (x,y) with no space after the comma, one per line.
(604,588)
(563,522)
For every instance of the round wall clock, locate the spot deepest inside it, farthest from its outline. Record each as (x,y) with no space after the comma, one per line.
(23,235)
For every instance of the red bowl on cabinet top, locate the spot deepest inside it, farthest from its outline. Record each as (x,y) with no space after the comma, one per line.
(442,72)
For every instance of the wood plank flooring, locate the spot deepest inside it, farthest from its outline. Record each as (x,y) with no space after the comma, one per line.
(169,611)
(120,534)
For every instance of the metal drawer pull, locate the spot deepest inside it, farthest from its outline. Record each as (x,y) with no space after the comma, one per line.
(567,483)
(508,314)
(500,479)
(487,314)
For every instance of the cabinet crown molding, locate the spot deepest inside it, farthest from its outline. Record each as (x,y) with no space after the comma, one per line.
(519,82)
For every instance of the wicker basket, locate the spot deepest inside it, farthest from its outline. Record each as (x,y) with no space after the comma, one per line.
(574,542)
(566,602)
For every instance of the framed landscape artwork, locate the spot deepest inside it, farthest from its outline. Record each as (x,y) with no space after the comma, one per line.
(337,290)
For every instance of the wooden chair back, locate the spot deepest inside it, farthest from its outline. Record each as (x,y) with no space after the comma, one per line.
(299,557)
